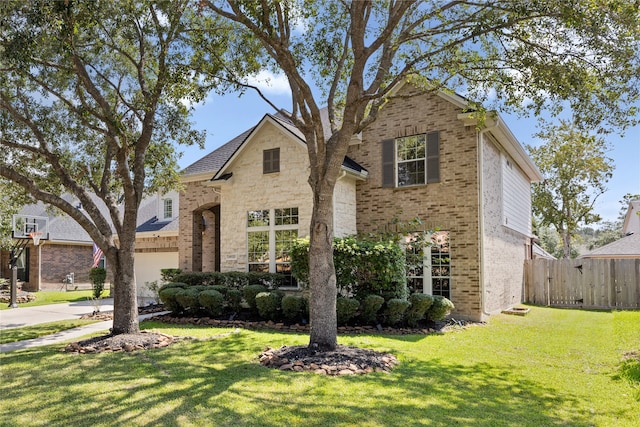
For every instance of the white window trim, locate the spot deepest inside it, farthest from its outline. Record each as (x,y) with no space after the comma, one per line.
(271,228)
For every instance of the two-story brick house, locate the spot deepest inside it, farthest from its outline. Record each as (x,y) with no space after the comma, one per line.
(425,156)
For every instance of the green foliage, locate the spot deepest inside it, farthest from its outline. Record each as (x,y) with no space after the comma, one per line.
(395,310)
(168,295)
(440,308)
(292,307)
(370,307)
(220,288)
(97,275)
(188,298)
(346,309)
(364,266)
(198,278)
(169,274)
(233,299)
(249,293)
(575,169)
(212,301)
(153,287)
(417,311)
(269,304)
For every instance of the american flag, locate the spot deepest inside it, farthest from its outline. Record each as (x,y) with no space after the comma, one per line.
(97,255)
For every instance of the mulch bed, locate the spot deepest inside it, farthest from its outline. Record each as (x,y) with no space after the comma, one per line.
(343,360)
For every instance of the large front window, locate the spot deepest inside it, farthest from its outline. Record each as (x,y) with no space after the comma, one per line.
(270,235)
(429,270)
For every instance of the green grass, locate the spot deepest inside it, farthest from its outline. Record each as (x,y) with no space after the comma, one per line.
(40,330)
(550,368)
(55,297)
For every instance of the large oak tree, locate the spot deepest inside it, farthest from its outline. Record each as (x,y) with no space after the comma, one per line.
(93,100)
(349,55)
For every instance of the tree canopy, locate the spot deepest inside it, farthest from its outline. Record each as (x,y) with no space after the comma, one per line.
(94,99)
(575,170)
(350,55)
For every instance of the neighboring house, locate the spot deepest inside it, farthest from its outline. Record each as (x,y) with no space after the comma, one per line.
(627,246)
(70,249)
(631,222)
(424,156)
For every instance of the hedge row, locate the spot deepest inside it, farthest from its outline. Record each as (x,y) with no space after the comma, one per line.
(230,280)
(274,305)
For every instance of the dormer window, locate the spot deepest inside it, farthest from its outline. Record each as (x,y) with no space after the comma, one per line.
(271,161)
(168,209)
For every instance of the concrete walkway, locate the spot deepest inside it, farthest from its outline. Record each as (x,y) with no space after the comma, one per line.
(29,316)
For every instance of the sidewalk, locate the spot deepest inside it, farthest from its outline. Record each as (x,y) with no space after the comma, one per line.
(28,316)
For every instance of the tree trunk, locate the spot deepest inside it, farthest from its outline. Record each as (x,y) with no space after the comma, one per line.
(322,277)
(566,245)
(125,304)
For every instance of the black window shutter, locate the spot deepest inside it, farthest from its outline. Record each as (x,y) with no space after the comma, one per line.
(388,163)
(433,157)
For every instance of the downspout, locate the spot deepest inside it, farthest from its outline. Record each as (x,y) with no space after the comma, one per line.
(480,140)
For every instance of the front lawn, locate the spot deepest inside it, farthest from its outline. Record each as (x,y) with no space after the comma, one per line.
(40,330)
(54,297)
(552,367)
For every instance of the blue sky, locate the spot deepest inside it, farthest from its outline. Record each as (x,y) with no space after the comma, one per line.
(224,117)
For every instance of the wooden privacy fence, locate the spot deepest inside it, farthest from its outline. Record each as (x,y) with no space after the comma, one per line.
(585,283)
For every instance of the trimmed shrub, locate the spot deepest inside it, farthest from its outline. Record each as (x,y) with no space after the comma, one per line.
(369,309)
(396,308)
(168,294)
(212,301)
(98,275)
(270,280)
(346,309)
(173,285)
(292,307)
(420,303)
(220,288)
(188,298)
(235,279)
(268,304)
(198,278)
(440,308)
(233,299)
(169,274)
(249,293)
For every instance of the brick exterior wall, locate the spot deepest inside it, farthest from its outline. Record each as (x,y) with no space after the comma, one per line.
(451,204)
(195,198)
(58,260)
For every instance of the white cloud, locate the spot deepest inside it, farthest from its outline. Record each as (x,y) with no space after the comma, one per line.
(269,83)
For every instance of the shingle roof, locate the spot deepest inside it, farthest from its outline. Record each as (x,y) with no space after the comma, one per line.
(626,247)
(215,160)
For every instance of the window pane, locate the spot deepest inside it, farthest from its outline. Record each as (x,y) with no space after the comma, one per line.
(411,173)
(287,216)
(284,241)
(168,208)
(258,244)
(411,147)
(260,268)
(257,218)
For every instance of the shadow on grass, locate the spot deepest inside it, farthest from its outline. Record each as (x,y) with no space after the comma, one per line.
(220,382)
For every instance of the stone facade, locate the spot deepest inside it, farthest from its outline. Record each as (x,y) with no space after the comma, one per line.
(249,189)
